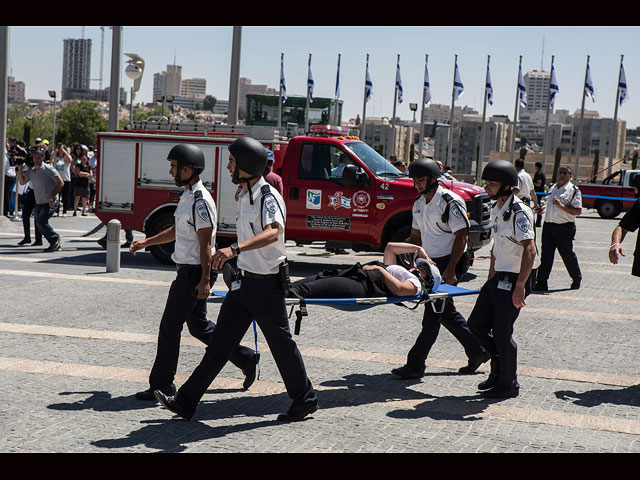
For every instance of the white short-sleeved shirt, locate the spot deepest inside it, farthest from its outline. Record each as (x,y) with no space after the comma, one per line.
(437,238)
(525,185)
(507,249)
(189,220)
(250,221)
(402,274)
(570,195)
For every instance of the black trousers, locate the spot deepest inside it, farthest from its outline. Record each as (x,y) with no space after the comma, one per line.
(492,320)
(28,206)
(264,301)
(183,307)
(452,321)
(558,236)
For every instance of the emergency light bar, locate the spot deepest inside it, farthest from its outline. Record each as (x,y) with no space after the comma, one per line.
(329,130)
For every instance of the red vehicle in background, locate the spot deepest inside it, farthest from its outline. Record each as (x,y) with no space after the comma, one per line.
(610,197)
(336,187)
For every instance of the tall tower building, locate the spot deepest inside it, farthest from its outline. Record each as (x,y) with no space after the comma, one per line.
(167,83)
(76,66)
(537,84)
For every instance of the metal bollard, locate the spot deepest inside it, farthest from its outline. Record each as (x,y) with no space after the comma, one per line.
(113,246)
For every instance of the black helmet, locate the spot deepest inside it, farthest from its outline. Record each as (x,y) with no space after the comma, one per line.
(424,167)
(250,155)
(187,155)
(501,171)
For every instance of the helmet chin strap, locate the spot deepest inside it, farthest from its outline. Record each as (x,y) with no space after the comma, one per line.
(503,192)
(182,183)
(429,187)
(236,180)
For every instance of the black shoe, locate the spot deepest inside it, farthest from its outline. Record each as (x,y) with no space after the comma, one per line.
(125,245)
(575,285)
(541,287)
(54,247)
(37,243)
(407,372)
(501,392)
(148,395)
(296,414)
(103,243)
(490,382)
(474,363)
(169,402)
(250,373)
(24,241)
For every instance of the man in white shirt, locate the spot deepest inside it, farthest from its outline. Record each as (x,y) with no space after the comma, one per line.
(525,190)
(441,227)
(513,257)
(194,233)
(564,204)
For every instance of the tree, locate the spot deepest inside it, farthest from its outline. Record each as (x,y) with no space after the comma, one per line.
(634,161)
(80,122)
(209,102)
(556,165)
(596,163)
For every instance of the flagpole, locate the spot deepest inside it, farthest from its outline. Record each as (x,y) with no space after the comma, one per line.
(482,131)
(393,118)
(546,122)
(515,114)
(364,103)
(280,95)
(335,110)
(424,96)
(306,113)
(579,139)
(453,100)
(614,127)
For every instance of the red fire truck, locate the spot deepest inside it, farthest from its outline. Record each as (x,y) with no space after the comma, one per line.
(336,187)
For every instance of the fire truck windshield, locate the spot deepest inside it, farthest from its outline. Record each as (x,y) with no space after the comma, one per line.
(373,160)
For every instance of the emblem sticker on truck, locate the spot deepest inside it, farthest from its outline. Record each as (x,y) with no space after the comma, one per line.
(314,199)
(361,200)
(337,200)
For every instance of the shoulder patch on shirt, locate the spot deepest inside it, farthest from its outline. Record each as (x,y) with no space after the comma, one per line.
(522,222)
(270,204)
(202,210)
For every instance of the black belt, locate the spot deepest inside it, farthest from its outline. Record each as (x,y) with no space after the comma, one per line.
(187,265)
(259,276)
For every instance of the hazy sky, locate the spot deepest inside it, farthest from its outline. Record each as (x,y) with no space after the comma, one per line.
(35,57)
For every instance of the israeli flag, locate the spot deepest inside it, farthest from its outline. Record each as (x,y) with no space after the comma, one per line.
(553,88)
(588,85)
(310,85)
(623,95)
(399,84)
(522,89)
(368,86)
(283,85)
(489,88)
(427,87)
(458,87)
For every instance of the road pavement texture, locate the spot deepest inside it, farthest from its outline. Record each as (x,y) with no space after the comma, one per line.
(77,343)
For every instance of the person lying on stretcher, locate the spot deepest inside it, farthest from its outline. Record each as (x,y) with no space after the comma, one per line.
(373,279)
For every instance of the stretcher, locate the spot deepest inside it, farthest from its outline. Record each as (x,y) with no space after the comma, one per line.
(356,304)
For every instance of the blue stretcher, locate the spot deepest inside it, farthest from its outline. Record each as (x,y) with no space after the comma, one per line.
(356,304)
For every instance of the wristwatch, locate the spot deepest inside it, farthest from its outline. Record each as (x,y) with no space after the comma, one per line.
(235,249)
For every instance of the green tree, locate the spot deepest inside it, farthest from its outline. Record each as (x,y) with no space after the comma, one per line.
(523,152)
(209,102)
(80,122)
(556,165)
(596,165)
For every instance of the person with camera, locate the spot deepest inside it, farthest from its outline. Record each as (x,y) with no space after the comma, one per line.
(62,161)
(257,291)
(47,184)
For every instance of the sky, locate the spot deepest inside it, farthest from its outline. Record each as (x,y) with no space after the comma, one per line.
(35,57)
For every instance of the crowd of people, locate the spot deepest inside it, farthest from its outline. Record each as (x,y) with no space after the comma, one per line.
(42,182)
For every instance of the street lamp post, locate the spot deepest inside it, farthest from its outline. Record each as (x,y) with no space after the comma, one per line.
(134,70)
(414,107)
(52,94)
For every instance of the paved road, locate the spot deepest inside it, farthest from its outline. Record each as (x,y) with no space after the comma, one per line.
(76,343)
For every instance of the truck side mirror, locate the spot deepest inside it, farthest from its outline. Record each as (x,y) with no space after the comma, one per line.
(351,177)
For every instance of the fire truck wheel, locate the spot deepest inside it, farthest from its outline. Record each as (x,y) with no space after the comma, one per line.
(162,253)
(608,209)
